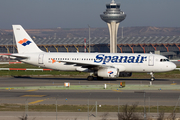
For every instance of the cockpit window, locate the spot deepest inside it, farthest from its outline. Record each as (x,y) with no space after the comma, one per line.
(164,60)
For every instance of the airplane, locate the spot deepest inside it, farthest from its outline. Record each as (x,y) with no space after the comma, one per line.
(100,65)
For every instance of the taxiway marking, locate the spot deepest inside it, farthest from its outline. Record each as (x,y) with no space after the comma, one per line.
(38,101)
(32,90)
(33,95)
(117,90)
(173,83)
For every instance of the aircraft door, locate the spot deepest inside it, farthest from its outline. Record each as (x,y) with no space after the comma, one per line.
(151,60)
(40,58)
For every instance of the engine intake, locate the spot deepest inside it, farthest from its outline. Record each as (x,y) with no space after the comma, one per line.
(108,73)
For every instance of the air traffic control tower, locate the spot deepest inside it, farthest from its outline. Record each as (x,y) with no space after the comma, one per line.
(113,16)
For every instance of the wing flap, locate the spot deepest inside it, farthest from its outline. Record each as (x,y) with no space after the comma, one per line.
(94,66)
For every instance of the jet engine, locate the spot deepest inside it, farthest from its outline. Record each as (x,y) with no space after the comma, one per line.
(125,74)
(108,72)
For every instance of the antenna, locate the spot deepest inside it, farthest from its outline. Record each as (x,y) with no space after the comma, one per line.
(113,1)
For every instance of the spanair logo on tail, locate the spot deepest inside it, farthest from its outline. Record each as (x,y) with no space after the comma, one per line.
(24,42)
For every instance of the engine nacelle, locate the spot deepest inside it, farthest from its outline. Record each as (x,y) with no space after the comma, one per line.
(125,74)
(108,73)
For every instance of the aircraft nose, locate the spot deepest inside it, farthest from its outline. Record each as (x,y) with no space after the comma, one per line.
(173,66)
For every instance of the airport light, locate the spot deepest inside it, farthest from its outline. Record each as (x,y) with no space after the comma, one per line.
(88,105)
(144,102)
(89,39)
(122,33)
(144,106)
(13,42)
(26,107)
(118,105)
(56,106)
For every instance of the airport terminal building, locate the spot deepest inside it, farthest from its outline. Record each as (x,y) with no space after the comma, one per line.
(167,45)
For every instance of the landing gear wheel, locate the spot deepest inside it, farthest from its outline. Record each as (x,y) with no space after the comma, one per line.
(152,78)
(99,78)
(90,78)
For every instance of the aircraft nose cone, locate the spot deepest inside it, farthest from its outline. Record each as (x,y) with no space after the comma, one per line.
(173,66)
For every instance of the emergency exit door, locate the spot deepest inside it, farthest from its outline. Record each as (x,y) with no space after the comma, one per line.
(40,58)
(151,60)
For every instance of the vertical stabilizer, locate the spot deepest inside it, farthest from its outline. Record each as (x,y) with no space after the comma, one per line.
(23,41)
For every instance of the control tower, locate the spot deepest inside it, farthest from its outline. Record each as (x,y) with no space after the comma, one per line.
(113,16)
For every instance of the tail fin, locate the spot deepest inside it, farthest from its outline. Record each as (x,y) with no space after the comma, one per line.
(23,41)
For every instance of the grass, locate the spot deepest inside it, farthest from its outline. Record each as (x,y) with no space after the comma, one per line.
(29,73)
(80,108)
(47,73)
(76,108)
(17,66)
(171,74)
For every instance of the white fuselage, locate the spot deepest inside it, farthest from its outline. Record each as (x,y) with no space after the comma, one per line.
(109,65)
(125,62)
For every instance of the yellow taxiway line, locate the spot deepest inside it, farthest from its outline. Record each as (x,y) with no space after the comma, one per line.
(36,102)
(32,90)
(33,95)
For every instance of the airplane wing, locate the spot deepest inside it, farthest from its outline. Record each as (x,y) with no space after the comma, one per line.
(85,65)
(93,66)
(15,56)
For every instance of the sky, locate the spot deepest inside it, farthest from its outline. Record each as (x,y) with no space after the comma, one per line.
(35,14)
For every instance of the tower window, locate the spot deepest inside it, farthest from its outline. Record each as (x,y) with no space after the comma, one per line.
(113,6)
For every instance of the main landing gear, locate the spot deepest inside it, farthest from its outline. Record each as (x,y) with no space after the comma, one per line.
(90,78)
(152,76)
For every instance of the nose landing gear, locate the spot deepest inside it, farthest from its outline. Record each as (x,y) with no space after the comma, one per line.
(152,76)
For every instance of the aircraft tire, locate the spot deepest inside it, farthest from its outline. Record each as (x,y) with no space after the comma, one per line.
(90,78)
(99,78)
(152,78)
